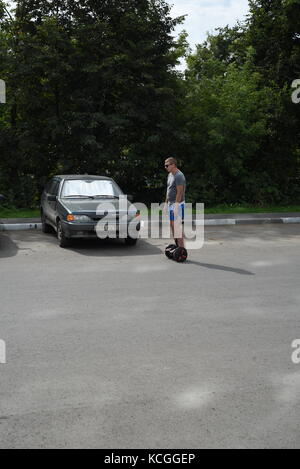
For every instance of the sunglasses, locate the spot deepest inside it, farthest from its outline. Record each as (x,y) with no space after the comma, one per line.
(167,165)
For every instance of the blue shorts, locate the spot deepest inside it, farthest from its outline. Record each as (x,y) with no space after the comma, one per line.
(180,212)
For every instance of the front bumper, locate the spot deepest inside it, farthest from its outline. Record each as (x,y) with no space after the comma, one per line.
(97,230)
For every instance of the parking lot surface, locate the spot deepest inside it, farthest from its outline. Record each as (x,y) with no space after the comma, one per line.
(111,346)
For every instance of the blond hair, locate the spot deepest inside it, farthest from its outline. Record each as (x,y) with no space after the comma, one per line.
(172,161)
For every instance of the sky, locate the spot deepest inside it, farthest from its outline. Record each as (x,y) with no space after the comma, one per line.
(206,15)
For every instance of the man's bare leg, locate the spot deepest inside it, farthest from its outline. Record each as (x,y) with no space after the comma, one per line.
(177,233)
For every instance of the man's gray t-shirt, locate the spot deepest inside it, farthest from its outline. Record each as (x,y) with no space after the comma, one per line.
(175,180)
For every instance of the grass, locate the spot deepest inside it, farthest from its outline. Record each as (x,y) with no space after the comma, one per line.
(228,209)
(18,213)
(225,209)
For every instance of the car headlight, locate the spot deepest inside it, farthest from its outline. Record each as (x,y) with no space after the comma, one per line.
(80,218)
(134,214)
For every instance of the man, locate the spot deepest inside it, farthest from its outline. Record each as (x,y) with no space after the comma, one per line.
(175,199)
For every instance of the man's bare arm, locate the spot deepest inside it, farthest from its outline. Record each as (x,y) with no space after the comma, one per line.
(179,194)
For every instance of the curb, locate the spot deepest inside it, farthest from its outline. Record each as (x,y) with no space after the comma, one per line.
(248,221)
(207,222)
(291,220)
(20,226)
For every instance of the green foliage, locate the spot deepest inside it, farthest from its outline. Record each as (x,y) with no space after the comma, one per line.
(92,87)
(242,127)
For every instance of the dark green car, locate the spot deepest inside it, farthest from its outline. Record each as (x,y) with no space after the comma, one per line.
(88,207)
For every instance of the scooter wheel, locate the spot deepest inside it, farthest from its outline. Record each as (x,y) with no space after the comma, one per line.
(169,250)
(180,255)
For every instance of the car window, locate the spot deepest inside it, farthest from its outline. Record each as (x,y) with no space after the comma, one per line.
(90,188)
(56,188)
(53,187)
(48,186)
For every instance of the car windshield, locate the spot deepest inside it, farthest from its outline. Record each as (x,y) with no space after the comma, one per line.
(90,188)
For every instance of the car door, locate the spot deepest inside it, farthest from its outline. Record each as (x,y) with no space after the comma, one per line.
(52,201)
(44,199)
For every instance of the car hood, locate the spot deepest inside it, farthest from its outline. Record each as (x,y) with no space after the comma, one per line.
(89,205)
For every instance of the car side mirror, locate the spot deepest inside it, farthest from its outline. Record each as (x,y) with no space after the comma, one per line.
(52,198)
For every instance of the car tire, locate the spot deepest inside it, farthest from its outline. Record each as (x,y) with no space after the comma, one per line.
(130,241)
(63,241)
(45,227)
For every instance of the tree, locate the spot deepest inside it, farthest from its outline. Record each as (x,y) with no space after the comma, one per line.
(240,121)
(93,88)
(227,116)
(273,32)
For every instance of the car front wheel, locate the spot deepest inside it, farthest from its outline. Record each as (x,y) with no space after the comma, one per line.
(130,241)
(63,241)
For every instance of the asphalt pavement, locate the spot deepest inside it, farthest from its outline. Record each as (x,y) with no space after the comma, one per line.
(111,346)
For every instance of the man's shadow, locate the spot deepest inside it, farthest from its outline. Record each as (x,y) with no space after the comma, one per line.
(221,267)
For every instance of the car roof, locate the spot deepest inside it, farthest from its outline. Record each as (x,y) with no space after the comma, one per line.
(82,176)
